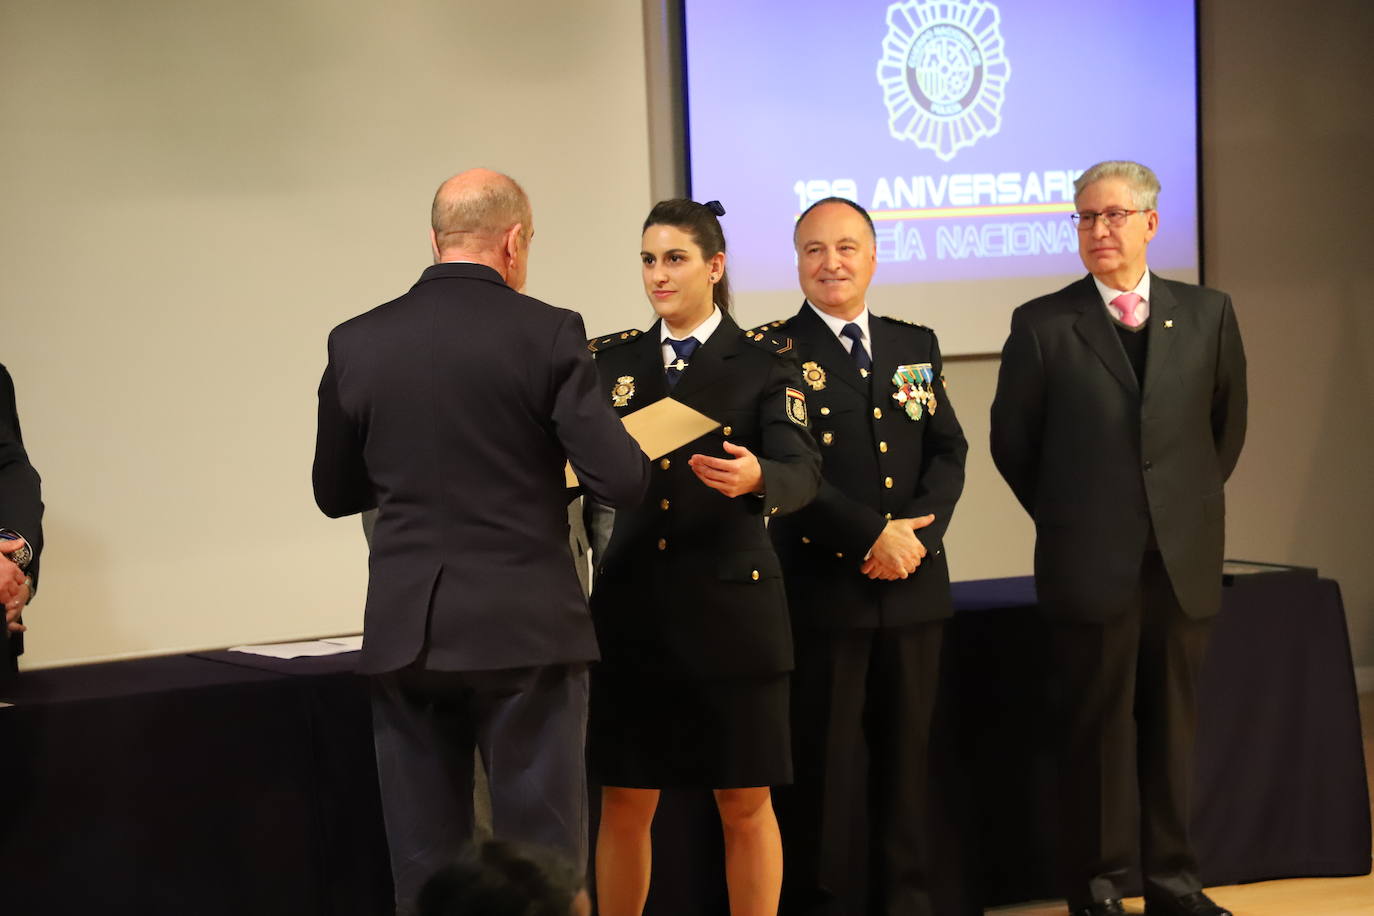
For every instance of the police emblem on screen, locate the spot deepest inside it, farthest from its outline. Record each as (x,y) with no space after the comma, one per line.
(943,73)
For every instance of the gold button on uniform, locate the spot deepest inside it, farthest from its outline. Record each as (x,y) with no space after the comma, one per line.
(806,540)
(825,411)
(663,505)
(888,516)
(662,543)
(839,556)
(665,463)
(882,446)
(827,438)
(754,575)
(877,413)
(887,482)
(727,430)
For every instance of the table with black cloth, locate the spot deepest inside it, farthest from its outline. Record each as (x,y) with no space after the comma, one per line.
(228,784)
(1280,779)
(1279,788)
(193,786)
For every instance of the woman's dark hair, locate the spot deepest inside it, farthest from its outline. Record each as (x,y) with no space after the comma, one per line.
(497,878)
(700,222)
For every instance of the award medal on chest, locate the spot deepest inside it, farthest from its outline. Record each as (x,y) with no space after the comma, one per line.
(915,389)
(624,390)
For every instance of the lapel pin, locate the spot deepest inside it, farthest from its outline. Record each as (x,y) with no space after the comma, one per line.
(1168,322)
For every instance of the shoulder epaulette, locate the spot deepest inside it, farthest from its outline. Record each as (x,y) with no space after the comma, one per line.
(597,344)
(895,320)
(762,336)
(769,327)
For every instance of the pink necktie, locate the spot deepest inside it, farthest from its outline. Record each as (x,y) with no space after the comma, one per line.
(1125,304)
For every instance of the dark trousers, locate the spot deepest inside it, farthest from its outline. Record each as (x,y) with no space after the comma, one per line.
(529,725)
(855,690)
(1126,695)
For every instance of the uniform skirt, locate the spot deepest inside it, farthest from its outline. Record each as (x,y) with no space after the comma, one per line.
(646,732)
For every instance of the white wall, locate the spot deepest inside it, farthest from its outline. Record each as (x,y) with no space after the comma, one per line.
(191,195)
(1289,209)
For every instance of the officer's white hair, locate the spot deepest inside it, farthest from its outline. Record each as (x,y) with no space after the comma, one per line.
(1143,183)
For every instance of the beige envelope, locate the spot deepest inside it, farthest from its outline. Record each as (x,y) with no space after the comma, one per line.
(659,428)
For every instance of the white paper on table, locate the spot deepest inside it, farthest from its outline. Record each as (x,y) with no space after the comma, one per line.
(310,649)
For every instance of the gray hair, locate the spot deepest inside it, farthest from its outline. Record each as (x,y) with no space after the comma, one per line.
(477,208)
(1144,185)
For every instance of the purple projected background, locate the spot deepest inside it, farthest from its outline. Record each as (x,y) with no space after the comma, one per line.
(785,104)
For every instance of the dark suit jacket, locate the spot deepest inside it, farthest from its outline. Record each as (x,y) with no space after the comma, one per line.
(21,503)
(452,410)
(689,584)
(1098,461)
(823,545)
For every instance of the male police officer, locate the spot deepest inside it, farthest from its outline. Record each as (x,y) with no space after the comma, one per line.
(867,579)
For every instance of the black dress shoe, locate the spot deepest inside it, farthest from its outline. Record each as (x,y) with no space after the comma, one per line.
(1109,907)
(1198,904)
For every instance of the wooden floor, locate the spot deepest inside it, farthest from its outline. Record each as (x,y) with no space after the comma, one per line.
(1295,897)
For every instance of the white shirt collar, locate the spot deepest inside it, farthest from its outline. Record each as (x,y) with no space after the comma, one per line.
(836,325)
(1142,289)
(701,332)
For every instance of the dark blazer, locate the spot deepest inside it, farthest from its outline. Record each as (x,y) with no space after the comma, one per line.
(689,584)
(21,502)
(866,440)
(1100,461)
(452,410)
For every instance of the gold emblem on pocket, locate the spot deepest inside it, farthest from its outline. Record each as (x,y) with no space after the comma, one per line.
(624,390)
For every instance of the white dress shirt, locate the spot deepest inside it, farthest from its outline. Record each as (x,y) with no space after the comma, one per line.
(836,325)
(700,332)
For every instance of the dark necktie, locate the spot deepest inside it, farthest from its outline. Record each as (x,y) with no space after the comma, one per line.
(684,350)
(861,357)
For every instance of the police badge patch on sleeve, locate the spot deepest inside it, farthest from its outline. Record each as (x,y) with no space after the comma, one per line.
(796,406)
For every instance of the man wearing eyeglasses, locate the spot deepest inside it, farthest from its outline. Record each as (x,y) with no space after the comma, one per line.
(1119,414)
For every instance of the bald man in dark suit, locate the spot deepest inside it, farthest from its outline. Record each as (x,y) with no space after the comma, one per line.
(452,410)
(1119,414)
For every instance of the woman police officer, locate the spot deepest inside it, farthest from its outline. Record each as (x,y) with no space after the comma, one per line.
(688,602)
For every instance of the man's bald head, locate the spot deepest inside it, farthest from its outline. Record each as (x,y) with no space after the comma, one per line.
(474,210)
(484,217)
